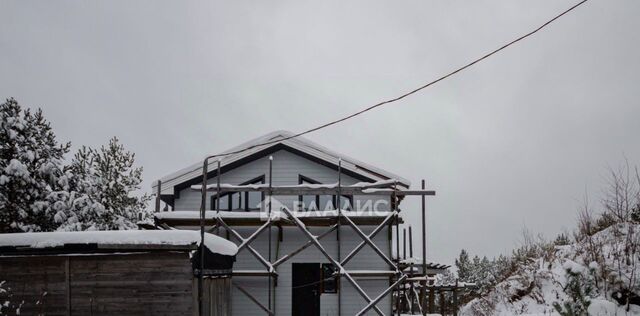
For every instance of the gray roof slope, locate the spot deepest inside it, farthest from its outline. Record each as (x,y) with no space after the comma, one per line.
(299,143)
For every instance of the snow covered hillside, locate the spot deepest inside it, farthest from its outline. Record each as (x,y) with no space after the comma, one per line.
(590,275)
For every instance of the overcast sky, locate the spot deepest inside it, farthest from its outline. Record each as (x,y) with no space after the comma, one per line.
(515,141)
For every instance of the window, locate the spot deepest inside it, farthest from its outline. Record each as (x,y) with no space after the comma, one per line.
(346,201)
(307,202)
(321,202)
(241,201)
(329,280)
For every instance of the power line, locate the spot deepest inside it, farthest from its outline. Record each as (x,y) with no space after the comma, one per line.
(313,283)
(410,92)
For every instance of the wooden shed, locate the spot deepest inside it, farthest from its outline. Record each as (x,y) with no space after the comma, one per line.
(113,273)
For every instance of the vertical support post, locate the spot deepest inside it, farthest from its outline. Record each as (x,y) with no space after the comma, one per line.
(404,256)
(455,300)
(424,232)
(218,197)
(158,192)
(203,208)
(269,220)
(411,293)
(404,243)
(394,203)
(410,243)
(432,301)
(218,189)
(338,234)
(67,281)
(443,303)
(423,290)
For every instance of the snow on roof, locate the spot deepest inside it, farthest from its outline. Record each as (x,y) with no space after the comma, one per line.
(299,143)
(275,215)
(382,186)
(418,261)
(214,243)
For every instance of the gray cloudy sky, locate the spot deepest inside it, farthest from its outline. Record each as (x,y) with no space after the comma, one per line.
(514,141)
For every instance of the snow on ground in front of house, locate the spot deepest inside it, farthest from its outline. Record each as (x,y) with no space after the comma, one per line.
(535,287)
(119,237)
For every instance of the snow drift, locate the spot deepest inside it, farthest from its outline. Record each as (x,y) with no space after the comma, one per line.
(606,262)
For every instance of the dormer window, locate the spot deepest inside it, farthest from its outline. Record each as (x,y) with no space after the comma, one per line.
(241,201)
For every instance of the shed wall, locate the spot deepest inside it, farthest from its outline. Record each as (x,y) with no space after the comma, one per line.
(116,284)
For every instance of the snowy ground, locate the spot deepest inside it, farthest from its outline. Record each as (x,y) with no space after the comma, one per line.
(536,286)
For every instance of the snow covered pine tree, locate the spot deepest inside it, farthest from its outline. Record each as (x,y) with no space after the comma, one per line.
(30,160)
(97,188)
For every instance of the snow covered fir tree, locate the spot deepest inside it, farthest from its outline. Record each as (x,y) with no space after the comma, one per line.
(39,192)
(30,162)
(96,191)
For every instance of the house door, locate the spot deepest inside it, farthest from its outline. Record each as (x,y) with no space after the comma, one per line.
(305,297)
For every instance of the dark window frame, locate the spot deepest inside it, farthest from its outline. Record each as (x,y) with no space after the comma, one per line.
(334,199)
(329,284)
(241,195)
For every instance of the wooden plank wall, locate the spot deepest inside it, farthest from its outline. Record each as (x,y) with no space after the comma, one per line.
(123,284)
(39,282)
(217,294)
(141,284)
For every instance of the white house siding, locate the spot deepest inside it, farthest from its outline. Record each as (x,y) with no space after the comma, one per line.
(286,169)
(293,238)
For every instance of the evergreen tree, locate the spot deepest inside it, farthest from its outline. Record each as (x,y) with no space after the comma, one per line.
(484,275)
(476,266)
(99,186)
(562,240)
(30,161)
(579,289)
(464,266)
(502,268)
(635,212)
(446,278)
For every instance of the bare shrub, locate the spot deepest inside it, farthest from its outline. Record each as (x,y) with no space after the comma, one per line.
(623,192)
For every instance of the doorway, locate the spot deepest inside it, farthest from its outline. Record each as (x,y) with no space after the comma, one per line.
(306,288)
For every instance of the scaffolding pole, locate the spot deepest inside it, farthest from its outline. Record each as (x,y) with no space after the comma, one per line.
(203,203)
(269,220)
(338,232)
(424,232)
(398,277)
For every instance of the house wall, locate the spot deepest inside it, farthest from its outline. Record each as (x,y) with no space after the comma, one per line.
(286,169)
(293,238)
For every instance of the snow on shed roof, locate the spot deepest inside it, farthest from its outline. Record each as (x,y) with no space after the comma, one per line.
(299,143)
(214,243)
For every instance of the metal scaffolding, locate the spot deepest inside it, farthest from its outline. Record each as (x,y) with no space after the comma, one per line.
(397,275)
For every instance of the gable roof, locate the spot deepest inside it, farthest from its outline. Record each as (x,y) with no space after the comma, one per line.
(298,145)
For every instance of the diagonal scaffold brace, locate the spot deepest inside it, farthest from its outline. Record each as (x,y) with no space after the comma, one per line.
(371,303)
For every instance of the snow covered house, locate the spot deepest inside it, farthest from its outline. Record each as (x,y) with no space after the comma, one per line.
(136,272)
(278,202)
